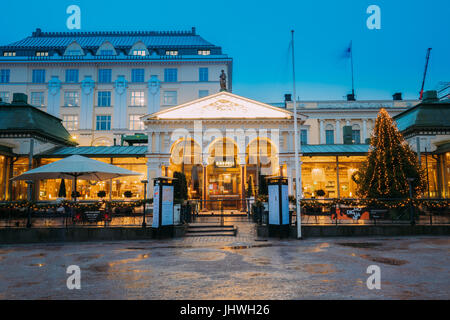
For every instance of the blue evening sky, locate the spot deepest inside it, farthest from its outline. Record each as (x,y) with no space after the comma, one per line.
(256,34)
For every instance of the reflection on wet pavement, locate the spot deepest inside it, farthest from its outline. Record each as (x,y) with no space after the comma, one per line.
(230,268)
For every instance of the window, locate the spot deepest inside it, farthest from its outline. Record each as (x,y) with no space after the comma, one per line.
(72,75)
(139,53)
(4,96)
(4,75)
(104,99)
(170,98)
(70,122)
(9,54)
(38,76)
(204,52)
(170,75)
(71,99)
(171,52)
(107,52)
(37,99)
(137,98)
(137,75)
(304,136)
(356,137)
(329,134)
(135,122)
(104,75)
(203,93)
(41,53)
(203,74)
(103,123)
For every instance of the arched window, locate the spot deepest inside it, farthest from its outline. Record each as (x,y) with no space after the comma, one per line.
(74,49)
(106,49)
(139,49)
(329,134)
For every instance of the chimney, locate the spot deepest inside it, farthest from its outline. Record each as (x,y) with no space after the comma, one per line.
(287,98)
(430,96)
(397,96)
(351,97)
(20,98)
(193,31)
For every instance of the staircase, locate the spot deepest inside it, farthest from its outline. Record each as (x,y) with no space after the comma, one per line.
(210,230)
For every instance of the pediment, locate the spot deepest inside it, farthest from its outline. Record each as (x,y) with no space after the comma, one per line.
(223,105)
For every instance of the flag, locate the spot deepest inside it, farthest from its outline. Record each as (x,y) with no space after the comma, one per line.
(348,52)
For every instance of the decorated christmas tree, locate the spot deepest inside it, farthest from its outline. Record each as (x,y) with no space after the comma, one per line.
(389,164)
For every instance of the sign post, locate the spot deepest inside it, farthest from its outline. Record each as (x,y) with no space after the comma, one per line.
(163,220)
(278,207)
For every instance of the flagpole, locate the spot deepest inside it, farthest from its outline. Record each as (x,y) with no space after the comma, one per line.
(351,60)
(298,182)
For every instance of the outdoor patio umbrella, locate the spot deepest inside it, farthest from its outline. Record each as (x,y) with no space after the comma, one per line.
(76,167)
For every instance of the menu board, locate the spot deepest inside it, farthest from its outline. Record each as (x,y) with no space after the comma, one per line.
(167,206)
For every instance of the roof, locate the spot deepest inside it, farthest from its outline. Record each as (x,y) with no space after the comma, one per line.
(140,151)
(100,152)
(432,115)
(334,149)
(22,118)
(119,39)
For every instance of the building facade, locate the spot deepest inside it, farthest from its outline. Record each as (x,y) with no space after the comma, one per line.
(101,83)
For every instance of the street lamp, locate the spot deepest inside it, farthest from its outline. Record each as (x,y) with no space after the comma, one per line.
(411,211)
(30,191)
(144,224)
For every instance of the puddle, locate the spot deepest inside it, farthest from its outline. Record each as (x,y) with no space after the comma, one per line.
(389,261)
(203,255)
(37,255)
(363,245)
(320,268)
(37,265)
(240,247)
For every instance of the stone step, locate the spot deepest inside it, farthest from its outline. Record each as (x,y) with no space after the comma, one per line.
(215,234)
(218,226)
(202,230)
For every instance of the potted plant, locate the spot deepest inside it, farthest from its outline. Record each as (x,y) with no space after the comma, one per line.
(101,194)
(128,194)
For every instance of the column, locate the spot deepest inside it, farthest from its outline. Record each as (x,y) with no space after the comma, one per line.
(338,132)
(243,191)
(157,142)
(87,103)
(364,130)
(322,132)
(54,96)
(120,103)
(152,173)
(154,100)
(290,141)
(150,142)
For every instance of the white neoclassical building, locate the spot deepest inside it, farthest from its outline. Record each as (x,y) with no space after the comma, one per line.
(222,143)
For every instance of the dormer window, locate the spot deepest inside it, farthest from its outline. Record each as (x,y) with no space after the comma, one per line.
(41,53)
(106,52)
(73,53)
(171,52)
(139,53)
(9,54)
(204,52)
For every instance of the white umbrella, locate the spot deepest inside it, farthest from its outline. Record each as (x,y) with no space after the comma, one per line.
(76,167)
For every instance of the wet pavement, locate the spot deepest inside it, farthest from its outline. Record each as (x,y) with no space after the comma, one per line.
(242,267)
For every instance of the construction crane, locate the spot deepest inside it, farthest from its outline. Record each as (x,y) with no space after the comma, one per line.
(427,59)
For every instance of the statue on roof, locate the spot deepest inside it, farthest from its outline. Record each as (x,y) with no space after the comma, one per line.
(223,81)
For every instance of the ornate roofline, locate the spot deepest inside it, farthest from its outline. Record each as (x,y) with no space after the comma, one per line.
(39,33)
